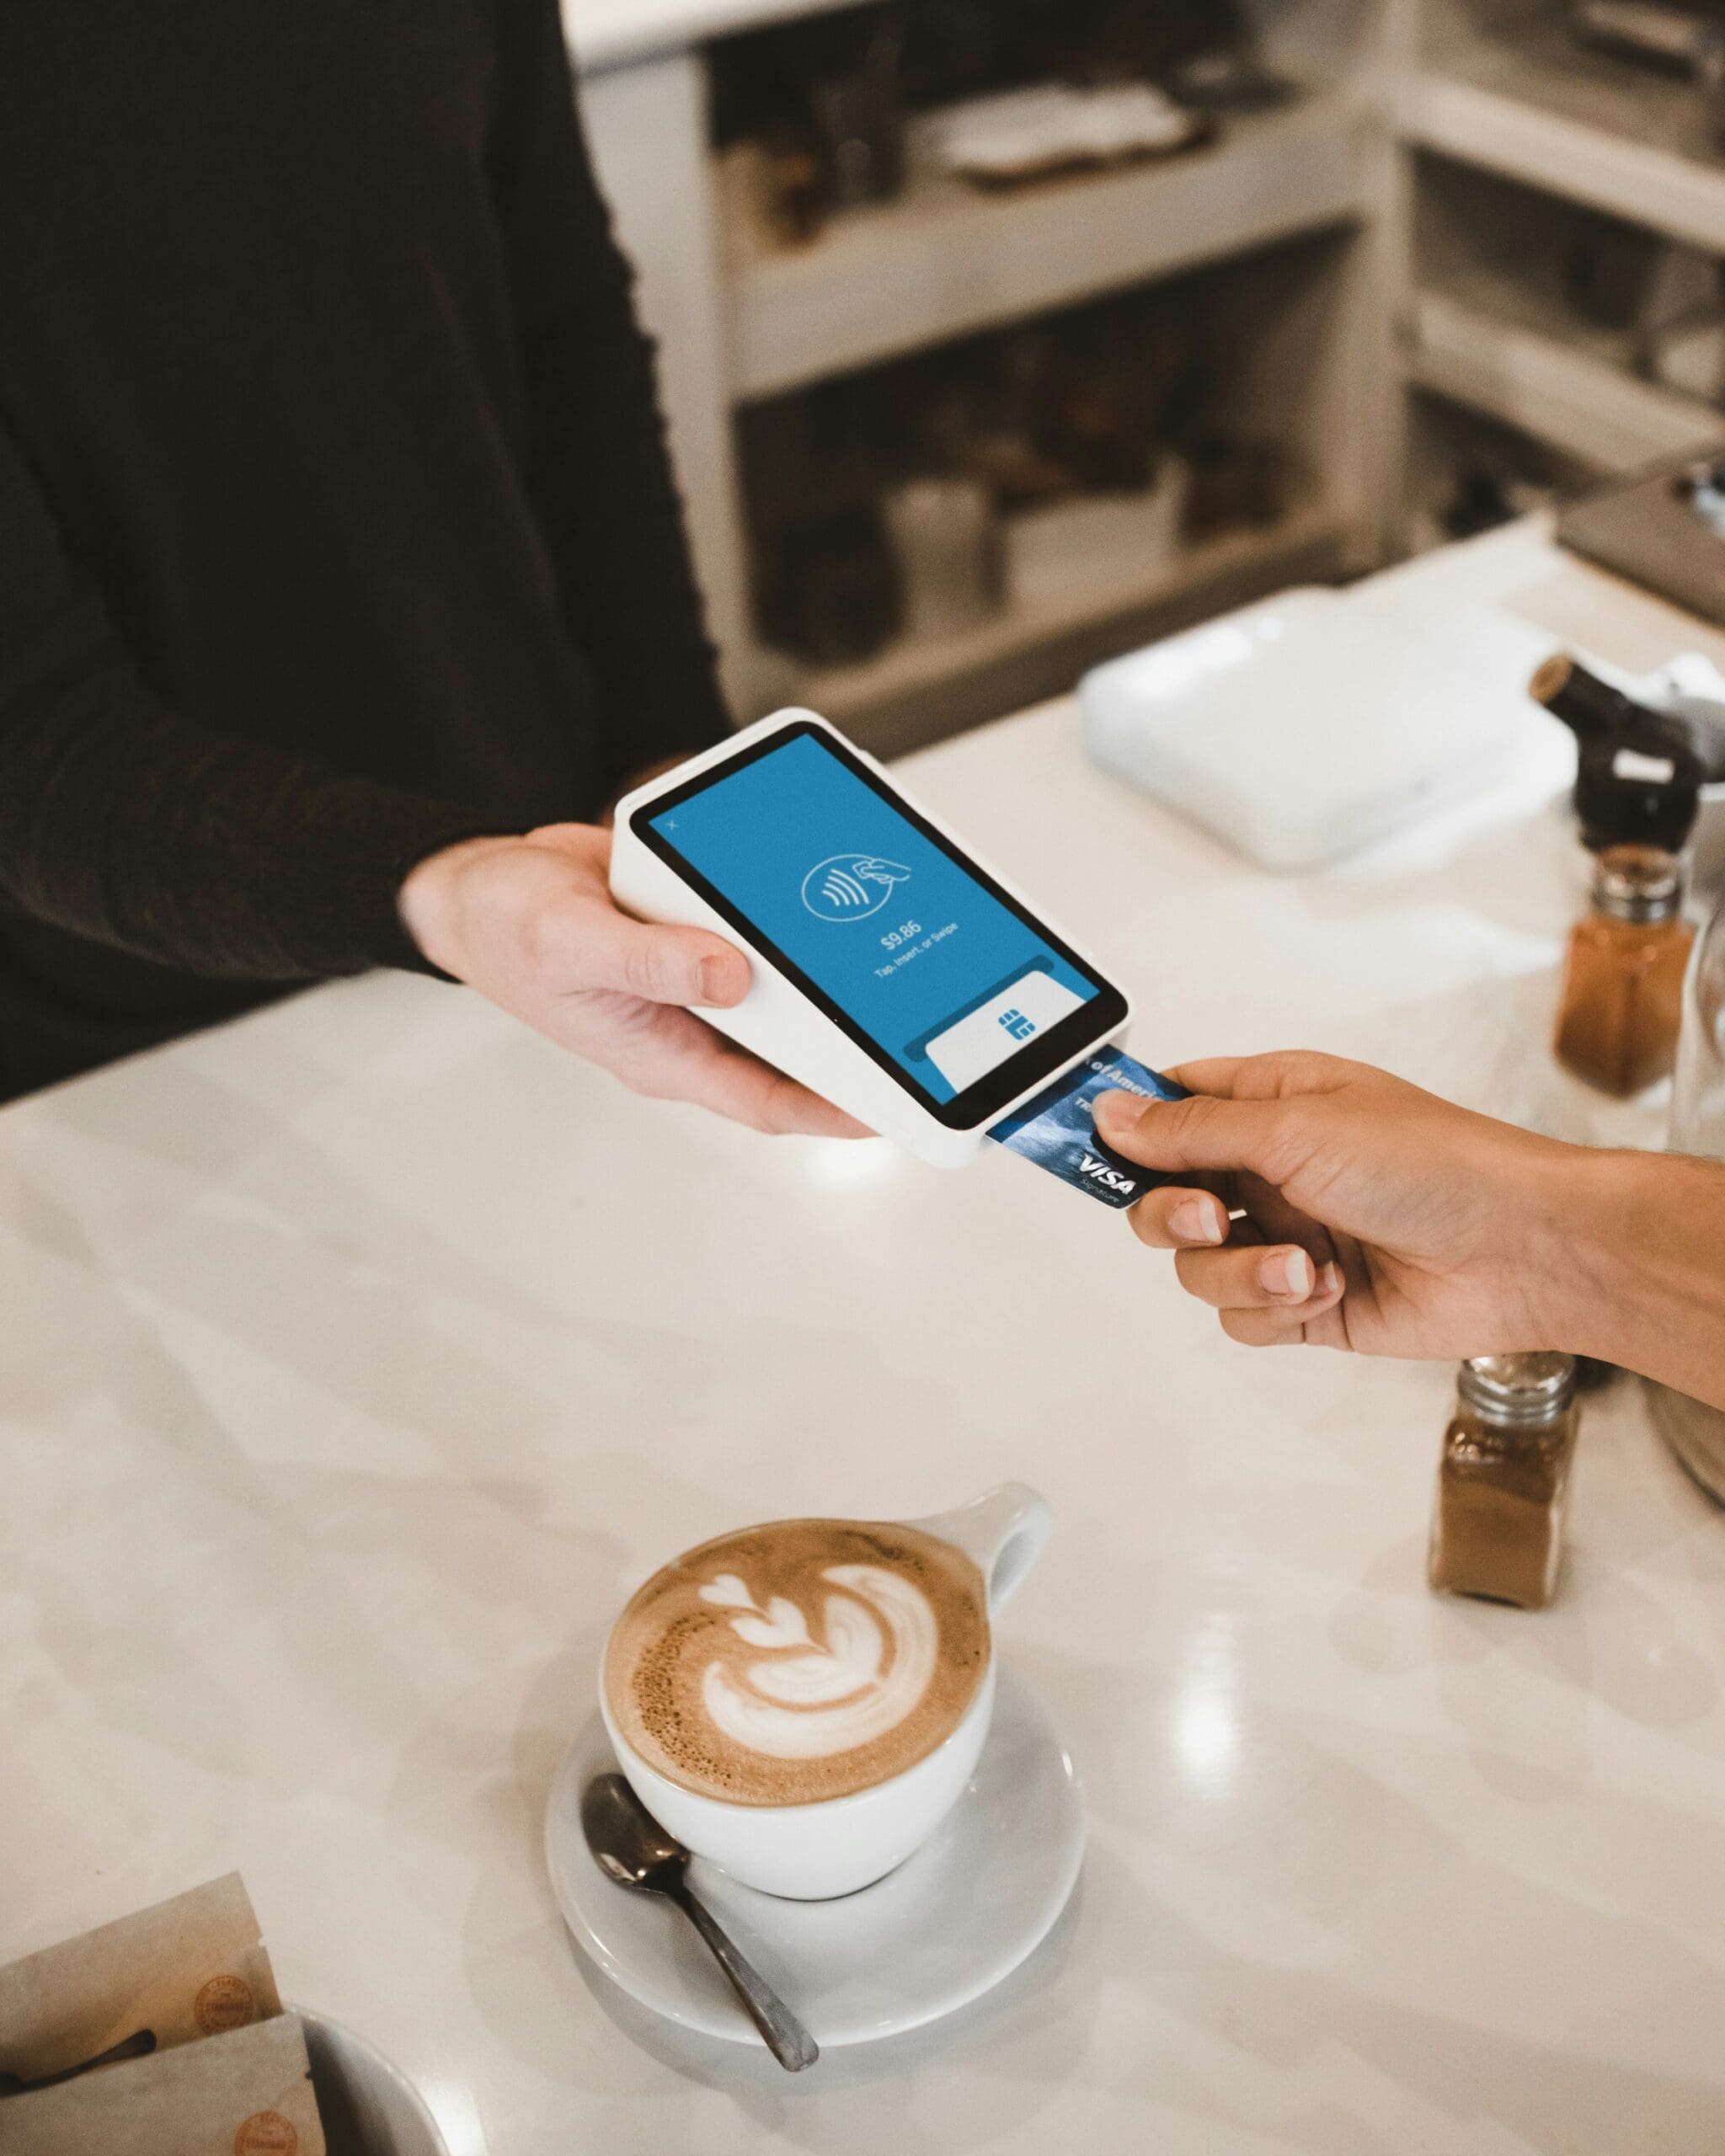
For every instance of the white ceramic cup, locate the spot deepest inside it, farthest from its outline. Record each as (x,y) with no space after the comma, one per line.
(812,1852)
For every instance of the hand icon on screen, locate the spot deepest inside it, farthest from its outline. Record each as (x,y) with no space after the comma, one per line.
(851,886)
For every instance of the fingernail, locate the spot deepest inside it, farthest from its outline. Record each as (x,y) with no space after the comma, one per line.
(1116,1112)
(1329,1280)
(1288,1273)
(1196,1220)
(714,974)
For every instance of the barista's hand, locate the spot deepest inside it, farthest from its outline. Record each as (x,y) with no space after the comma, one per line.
(530,923)
(1377,1217)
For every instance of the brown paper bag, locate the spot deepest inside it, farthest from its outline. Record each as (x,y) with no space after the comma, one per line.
(191,1967)
(249,2094)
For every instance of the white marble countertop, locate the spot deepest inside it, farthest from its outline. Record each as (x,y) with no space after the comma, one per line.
(357,1357)
(611,33)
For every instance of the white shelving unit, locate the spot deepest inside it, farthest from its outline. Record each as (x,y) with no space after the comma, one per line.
(1488,347)
(1501,89)
(1508,88)
(948,259)
(741,319)
(1399,93)
(1522,136)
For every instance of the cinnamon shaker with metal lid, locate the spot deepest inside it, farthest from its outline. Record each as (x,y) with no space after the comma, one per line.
(1638,792)
(1622,1000)
(1503,1480)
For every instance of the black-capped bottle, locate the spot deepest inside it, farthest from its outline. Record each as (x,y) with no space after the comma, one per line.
(1637,794)
(1639,776)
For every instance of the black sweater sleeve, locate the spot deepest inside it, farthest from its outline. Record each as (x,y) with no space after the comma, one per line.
(123,822)
(598,466)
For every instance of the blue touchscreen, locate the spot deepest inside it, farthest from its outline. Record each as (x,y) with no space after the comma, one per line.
(941,975)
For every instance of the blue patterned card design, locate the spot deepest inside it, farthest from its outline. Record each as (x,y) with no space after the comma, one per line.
(1057,1129)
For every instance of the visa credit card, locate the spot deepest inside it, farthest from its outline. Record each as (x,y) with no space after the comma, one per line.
(1057,1129)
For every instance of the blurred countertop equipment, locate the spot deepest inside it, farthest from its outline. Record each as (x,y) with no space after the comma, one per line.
(999,338)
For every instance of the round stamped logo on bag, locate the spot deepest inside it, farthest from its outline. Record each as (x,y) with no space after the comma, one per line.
(224,2002)
(266,2133)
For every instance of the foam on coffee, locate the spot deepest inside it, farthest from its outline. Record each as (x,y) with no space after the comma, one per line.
(800,1661)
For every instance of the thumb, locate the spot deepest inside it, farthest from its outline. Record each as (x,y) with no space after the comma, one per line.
(1203,1133)
(608,950)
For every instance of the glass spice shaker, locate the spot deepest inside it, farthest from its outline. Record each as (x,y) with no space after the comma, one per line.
(1503,1480)
(1622,1005)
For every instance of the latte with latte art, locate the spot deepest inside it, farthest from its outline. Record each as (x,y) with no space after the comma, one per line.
(804,1659)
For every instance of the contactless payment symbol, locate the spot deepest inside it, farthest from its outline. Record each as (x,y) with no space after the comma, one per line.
(851,886)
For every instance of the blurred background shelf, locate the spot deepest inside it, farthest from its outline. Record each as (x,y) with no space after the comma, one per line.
(889,700)
(1492,346)
(947,259)
(1507,87)
(1467,264)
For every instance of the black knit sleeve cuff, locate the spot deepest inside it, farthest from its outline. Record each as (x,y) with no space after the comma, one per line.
(378,906)
(658,730)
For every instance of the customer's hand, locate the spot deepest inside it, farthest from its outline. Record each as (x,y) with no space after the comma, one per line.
(1377,1217)
(530,923)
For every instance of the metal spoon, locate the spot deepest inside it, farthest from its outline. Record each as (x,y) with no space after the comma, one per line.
(630,1846)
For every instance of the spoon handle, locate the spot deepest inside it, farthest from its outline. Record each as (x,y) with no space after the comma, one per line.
(139,2044)
(787,2038)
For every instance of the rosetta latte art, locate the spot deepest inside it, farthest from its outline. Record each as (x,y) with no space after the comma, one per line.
(798,1661)
(806,1700)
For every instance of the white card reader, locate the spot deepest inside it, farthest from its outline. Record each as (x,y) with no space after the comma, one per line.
(893,974)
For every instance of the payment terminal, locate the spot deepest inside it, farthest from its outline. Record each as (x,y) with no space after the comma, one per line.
(895,974)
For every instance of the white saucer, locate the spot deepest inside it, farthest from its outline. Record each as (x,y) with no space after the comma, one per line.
(944,1928)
